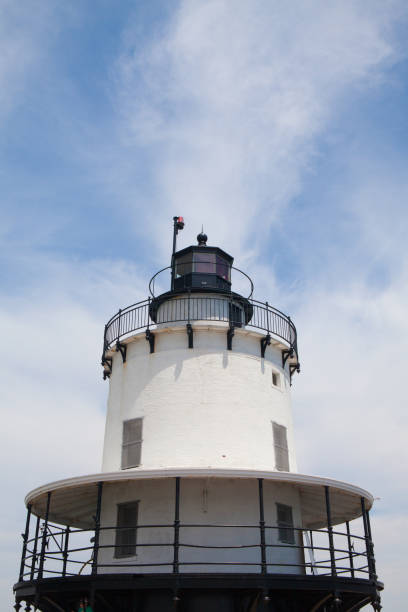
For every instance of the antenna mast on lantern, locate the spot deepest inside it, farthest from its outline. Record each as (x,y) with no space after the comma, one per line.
(178,224)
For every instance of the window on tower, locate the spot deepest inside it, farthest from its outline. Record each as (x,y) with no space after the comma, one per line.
(276,379)
(131,443)
(286,532)
(126,528)
(280,442)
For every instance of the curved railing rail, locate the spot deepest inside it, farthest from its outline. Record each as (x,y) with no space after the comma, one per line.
(61,552)
(197,307)
(213,266)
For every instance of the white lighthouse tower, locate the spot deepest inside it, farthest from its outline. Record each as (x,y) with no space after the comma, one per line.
(199,505)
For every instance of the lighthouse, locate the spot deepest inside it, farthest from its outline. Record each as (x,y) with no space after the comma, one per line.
(199,505)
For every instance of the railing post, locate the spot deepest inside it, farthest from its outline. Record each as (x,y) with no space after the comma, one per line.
(290,331)
(176,527)
(311,552)
(371,546)
(120,312)
(104,346)
(34,557)
(44,537)
(65,553)
(350,549)
(189,327)
(262,526)
(267,316)
(330,531)
(25,538)
(97,529)
(367,537)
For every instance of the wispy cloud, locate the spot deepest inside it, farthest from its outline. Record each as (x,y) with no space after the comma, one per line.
(232,102)
(24,37)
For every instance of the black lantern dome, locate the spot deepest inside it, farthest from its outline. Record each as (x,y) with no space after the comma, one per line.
(202,239)
(202,268)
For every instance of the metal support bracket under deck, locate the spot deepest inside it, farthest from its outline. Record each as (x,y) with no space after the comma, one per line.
(264,343)
(150,337)
(107,361)
(122,348)
(293,367)
(230,334)
(190,335)
(285,356)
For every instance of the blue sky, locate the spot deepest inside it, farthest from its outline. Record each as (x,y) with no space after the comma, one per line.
(282,127)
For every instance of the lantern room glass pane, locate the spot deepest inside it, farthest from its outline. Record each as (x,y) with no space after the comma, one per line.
(204,263)
(184,264)
(223,268)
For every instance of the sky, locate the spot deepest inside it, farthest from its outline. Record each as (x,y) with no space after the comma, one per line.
(282,128)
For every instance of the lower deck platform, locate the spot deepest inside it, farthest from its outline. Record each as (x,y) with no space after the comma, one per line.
(200,593)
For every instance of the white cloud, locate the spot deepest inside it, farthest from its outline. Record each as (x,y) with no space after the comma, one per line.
(349,401)
(53,395)
(232,101)
(25,36)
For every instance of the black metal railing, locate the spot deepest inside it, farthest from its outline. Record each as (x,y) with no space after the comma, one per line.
(190,308)
(71,552)
(181,275)
(177,547)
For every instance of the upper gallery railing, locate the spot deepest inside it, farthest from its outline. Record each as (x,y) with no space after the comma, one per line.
(237,312)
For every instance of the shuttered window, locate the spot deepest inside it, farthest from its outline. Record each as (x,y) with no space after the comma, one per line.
(286,532)
(132,443)
(280,443)
(126,528)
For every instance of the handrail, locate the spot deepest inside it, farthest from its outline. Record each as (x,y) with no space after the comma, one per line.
(197,307)
(192,262)
(53,557)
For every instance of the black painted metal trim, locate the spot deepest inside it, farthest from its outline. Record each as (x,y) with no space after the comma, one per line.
(122,348)
(264,343)
(230,335)
(190,335)
(150,337)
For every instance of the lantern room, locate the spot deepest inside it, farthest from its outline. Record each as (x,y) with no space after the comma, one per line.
(202,267)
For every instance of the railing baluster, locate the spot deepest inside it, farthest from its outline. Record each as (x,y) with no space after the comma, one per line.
(97,529)
(350,549)
(330,531)
(118,336)
(44,537)
(25,538)
(176,545)
(262,526)
(311,553)
(34,557)
(371,568)
(65,553)
(371,546)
